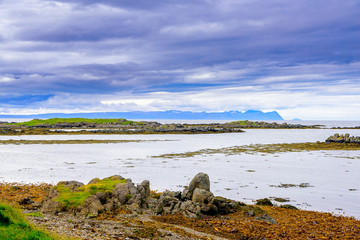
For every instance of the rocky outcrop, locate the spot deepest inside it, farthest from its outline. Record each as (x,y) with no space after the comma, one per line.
(337,138)
(194,201)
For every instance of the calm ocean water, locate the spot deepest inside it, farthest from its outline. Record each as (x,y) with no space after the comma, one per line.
(333,175)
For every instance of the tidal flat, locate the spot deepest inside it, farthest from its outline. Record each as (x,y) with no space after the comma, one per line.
(244,175)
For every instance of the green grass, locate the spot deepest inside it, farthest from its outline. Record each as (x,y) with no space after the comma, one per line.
(245,123)
(35,214)
(13,226)
(76,198)
(53,121)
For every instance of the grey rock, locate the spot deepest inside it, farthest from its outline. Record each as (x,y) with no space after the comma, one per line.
(266,218)
(94,180)
(52,193)
(202,196)
(108,207)
(93,206)
(190,209)
(135,208)
(209,209)
(122,193)
(103,196)
(52,207)
(146,186)
(201,181)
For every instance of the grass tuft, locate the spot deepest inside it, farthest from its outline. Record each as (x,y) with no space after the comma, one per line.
(76,198)
(13,226)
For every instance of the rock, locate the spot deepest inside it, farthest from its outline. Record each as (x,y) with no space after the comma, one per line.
(202,196)
(167,203)
(108,207)
(264,202)
(93,206)
(266,218)
(52,194)
(122,193)
(52,207)
(177,195)
(209,209)
(135,208)
(103,196)
(73,185)
(201,181)
(94,180)
(190,209)
(343,139)
(146,186)
(26,201)
(288,206)
(155,205)
(226,206)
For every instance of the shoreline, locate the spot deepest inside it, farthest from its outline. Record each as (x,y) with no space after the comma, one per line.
(239,224)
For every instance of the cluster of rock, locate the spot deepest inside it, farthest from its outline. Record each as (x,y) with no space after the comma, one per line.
(337,138)
(262,124)
(195,200)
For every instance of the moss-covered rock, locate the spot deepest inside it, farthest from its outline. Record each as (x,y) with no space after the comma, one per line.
(264,202)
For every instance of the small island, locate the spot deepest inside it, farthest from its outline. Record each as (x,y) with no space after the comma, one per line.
(124,126)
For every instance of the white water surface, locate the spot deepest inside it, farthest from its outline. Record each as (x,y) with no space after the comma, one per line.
(333,175)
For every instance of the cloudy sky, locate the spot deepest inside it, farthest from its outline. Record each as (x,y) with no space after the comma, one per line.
(300,58)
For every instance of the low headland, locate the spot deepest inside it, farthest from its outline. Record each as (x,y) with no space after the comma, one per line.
(122,126)
(116,208)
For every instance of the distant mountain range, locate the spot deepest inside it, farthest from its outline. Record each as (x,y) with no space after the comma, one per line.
(172,114)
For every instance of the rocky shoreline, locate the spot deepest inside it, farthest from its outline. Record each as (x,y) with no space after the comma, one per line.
(122,126)
(116,208)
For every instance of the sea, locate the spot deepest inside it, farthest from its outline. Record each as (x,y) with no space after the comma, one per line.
(326,181)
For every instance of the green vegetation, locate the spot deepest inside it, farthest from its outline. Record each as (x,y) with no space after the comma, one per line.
(69,198)
(267,149)
(13,226)
(35,214)
(53,121)
(246,123)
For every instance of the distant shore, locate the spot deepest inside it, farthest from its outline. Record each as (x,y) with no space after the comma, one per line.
(72,126)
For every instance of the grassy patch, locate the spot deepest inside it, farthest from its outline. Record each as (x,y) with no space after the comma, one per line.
(53,121)
(76,198)
(35,214)
(13,226)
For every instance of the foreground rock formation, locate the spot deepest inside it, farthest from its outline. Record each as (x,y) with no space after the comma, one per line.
(194,201)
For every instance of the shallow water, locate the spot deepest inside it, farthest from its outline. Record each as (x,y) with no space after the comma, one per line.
(332,175)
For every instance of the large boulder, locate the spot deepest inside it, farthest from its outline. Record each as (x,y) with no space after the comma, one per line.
(122,192)
(201,181)
(92,207)
(51,207)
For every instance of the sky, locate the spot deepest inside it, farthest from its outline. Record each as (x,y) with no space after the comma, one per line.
(300,58)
